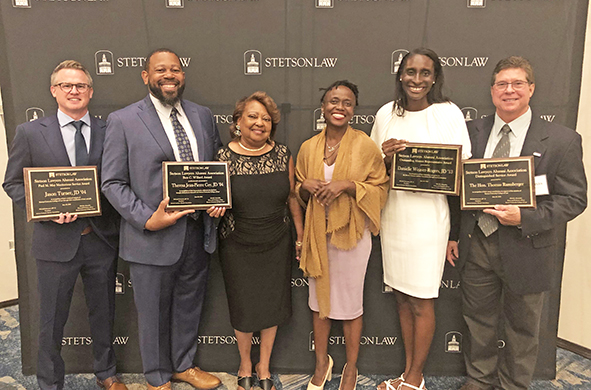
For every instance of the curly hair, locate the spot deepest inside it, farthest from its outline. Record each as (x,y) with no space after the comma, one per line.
(266,101)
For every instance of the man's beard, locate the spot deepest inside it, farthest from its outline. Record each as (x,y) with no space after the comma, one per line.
(168,100)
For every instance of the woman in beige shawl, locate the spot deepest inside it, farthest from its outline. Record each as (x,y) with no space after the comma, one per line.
(342,183)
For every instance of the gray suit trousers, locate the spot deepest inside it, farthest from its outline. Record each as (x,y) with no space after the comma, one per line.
(493,312)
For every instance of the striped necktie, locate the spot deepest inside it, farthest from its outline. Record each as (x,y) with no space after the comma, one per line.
(489,223)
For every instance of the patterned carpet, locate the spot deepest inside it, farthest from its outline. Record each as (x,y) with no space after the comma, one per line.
(573,371)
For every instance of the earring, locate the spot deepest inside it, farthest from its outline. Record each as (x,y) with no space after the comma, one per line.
(237,132)
(433,82)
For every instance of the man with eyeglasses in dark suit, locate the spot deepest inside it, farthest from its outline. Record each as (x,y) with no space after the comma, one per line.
(506,253)
(69,246)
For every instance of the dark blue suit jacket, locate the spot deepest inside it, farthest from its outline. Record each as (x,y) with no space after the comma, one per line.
(528,253)
(40,144)
(135,147)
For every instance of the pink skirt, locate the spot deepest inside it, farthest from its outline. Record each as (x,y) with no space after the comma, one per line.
(346,269)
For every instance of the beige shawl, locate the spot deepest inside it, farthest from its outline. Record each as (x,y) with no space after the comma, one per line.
(360,161)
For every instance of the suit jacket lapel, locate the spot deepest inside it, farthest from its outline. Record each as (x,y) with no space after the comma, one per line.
(482,136)
(534,140)
(195,121)
(149,116)
(50,129)
(97,138)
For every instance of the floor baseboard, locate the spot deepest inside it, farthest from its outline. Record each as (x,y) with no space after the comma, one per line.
(575,348)
(11,302)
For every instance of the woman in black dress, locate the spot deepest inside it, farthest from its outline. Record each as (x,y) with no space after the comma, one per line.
(256,244)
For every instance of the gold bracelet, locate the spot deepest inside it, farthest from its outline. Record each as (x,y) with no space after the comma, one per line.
(298,243)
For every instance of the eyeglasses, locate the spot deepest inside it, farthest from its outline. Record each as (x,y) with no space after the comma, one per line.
(518,85)
(67,87)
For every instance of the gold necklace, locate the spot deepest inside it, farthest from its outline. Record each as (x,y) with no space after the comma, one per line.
(252,150)
(332,148)
(328,156)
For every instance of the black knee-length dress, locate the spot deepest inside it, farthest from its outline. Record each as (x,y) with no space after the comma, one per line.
(255,246)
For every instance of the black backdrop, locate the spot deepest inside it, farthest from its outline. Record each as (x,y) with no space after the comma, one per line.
(297,46)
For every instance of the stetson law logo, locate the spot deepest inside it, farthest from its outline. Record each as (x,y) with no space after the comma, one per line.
(378,341)
(21,3)
(450,284)
(387,289)
(175,3)
(120,284)
(324,3)
(453,342)
(362,119)
(27,3)
(397,56)
(470,113)
(103,60)
(299,282)
(548,117)
(225,119)
(476,3)
(77,341)
(34,113)
(319,121)
(254,62)
(224,340)
(465,62)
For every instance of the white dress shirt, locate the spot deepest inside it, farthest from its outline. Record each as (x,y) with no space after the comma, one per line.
(164,111)
(69,133)
(517,135)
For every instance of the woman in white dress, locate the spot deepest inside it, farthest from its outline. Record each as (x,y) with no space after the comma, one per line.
(415,226)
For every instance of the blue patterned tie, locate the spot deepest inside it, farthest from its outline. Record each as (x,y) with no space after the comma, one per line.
(182,141)
(80,144)
(489,223)
(181,138)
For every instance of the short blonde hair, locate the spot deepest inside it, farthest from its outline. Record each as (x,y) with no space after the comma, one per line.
(70,64)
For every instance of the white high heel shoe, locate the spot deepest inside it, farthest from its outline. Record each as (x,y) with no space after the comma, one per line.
(408,385)
(327,377)
(343,374)
(393,383)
